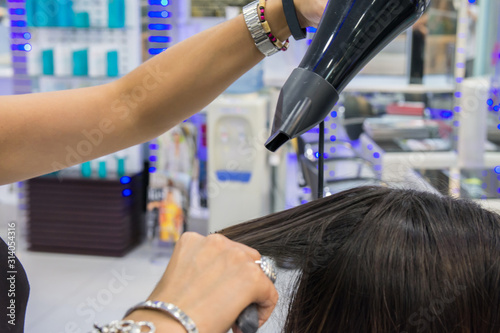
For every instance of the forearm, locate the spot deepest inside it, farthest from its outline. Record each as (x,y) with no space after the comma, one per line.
(209,63)
(38,132)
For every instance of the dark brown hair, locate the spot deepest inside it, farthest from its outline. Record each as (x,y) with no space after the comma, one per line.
(375,259)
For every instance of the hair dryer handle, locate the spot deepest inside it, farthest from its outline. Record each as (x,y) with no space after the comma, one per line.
(248,320)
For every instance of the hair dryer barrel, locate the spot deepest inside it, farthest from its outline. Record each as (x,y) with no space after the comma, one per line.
(349,35)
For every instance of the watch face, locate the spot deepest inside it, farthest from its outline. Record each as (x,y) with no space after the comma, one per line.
(210,8)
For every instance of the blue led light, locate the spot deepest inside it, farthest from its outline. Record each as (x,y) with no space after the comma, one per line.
(306,190)
(155,51)
(316,155)
(334,114)
(303,202)
(158,26)
(333,138)
(459,79)
(472,1)
(21,47)
(445,114)
(125,180)
(498,126)
(159,14)
(127,192)
(497,169)
(27,36)
(376,155)
(153,146)
(496,108)
(458,94)
(159,39)
(21,24)
(17,11)
(163,3)
(152,170)
(311,29)
(325,155)
(153,158)
(490,102)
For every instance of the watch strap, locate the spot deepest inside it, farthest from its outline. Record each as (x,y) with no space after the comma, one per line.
(293,20)
(254,25)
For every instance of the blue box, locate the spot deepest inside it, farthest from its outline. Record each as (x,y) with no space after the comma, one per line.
(48,62)
(30,12)
(81,63)
(116,10)
(65,13)
(112,59)
(46,13)
(82,20)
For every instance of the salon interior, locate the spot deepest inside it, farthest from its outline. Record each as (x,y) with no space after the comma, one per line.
(95,238)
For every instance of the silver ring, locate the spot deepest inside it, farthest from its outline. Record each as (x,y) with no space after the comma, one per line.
(267,266)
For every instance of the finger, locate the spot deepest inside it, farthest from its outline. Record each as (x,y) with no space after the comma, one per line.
(264,292)
(253,253)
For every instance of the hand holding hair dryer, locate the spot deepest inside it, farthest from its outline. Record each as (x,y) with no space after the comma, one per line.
(349,35)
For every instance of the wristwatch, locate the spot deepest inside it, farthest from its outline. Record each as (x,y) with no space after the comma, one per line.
(259,36)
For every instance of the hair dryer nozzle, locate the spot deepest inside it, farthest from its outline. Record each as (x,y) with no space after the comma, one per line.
(304,101)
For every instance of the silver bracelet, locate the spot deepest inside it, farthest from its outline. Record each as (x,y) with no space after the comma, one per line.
(125,326)
(258,33)
(170,309)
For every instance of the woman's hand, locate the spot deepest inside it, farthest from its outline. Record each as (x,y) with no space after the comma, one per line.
(310,12)
(212,279)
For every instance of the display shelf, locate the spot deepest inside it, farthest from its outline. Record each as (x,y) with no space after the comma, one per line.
(71,214)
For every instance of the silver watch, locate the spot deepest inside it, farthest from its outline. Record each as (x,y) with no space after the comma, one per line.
(254,25)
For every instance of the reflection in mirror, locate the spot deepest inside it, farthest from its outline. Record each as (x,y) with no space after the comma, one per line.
(439,37)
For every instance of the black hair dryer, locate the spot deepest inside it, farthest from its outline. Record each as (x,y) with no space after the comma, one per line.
(349,35)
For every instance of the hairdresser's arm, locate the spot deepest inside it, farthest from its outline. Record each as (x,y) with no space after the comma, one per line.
(41,133)
(212,279)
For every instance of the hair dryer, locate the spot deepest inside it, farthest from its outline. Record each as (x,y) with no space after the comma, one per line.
(349,35)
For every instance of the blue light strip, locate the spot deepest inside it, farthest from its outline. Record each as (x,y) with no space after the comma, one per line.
(163,3)
(155,51)
(159,39)
(159,42)
(159,14)
(159,26)
(19,34)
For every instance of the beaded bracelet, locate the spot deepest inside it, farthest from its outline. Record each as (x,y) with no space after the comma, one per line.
(267,28)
